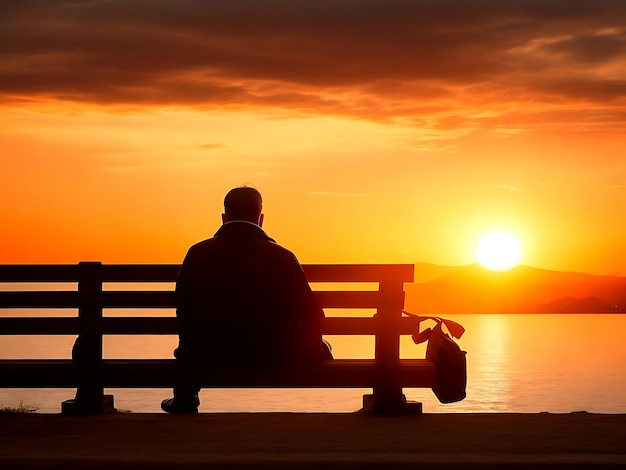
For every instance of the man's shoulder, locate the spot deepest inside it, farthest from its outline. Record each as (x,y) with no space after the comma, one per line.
(282,250)
(203,244)
(216,243)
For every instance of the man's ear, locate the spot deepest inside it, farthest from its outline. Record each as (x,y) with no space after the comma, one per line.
(261,220)
(224,218)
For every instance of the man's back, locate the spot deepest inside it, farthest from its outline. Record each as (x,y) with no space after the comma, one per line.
(244,302)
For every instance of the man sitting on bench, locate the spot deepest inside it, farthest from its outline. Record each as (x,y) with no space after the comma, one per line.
(243,305)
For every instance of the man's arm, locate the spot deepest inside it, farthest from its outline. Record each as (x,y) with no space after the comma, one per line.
(183,299)
(310,316)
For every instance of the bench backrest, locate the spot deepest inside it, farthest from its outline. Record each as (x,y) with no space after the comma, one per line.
(92,295)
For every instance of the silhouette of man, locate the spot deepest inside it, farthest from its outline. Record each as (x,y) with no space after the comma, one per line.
(243,304)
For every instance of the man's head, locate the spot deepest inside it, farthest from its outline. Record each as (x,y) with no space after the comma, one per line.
(243,203)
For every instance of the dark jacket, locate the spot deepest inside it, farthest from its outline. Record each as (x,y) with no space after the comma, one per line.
(243,301)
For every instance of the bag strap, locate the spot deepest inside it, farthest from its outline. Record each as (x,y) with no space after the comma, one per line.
(455,329)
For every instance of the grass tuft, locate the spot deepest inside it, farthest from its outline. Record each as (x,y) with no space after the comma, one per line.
(18,410)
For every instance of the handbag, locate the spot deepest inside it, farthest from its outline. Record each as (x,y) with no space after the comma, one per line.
(449,359)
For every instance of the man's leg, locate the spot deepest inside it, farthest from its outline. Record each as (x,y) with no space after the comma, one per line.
(186,399)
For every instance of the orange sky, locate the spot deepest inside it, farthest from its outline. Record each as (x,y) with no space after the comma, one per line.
(378,131)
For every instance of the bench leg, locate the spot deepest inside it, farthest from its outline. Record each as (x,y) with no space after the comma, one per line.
(78,408)
(390,400)
(89,400)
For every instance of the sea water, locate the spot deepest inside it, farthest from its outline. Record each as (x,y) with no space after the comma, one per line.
(524,363)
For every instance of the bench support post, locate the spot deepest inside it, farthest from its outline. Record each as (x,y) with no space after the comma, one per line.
(379,403)
(387,396)
(87,350)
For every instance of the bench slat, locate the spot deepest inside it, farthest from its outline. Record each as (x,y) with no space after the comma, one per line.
(358,272)
(53,299)
(162,299)
(167,299)
(138,299)
(140,373)
(168,272)
(168,326)
(39,326)
(38,273)
(314,272)
(139,272)
(348,299)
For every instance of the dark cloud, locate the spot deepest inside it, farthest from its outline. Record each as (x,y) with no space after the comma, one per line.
(375,58)
(584,89)
(591,48)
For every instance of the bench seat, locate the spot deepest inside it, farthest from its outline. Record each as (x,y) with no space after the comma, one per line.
(139,373)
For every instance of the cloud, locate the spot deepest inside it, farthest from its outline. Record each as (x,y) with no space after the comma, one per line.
(334,194)
(508,187)
(211,146)
(373,59)
(595,48)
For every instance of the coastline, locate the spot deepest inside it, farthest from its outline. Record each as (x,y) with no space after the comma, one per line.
(312,440)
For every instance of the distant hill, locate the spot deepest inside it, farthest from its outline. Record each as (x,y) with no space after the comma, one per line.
(523,289)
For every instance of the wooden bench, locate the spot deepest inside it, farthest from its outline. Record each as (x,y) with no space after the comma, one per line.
(386,374)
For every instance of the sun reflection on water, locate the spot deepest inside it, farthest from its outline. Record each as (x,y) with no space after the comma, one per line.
(489,384)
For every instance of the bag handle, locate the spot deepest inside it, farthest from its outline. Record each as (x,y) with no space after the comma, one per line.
(455,329)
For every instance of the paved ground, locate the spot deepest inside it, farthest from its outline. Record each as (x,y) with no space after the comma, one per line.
(300,440)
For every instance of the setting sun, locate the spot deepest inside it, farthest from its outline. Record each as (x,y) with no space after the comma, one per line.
(498,251)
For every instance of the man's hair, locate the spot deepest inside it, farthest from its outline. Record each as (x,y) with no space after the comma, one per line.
(243,203)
